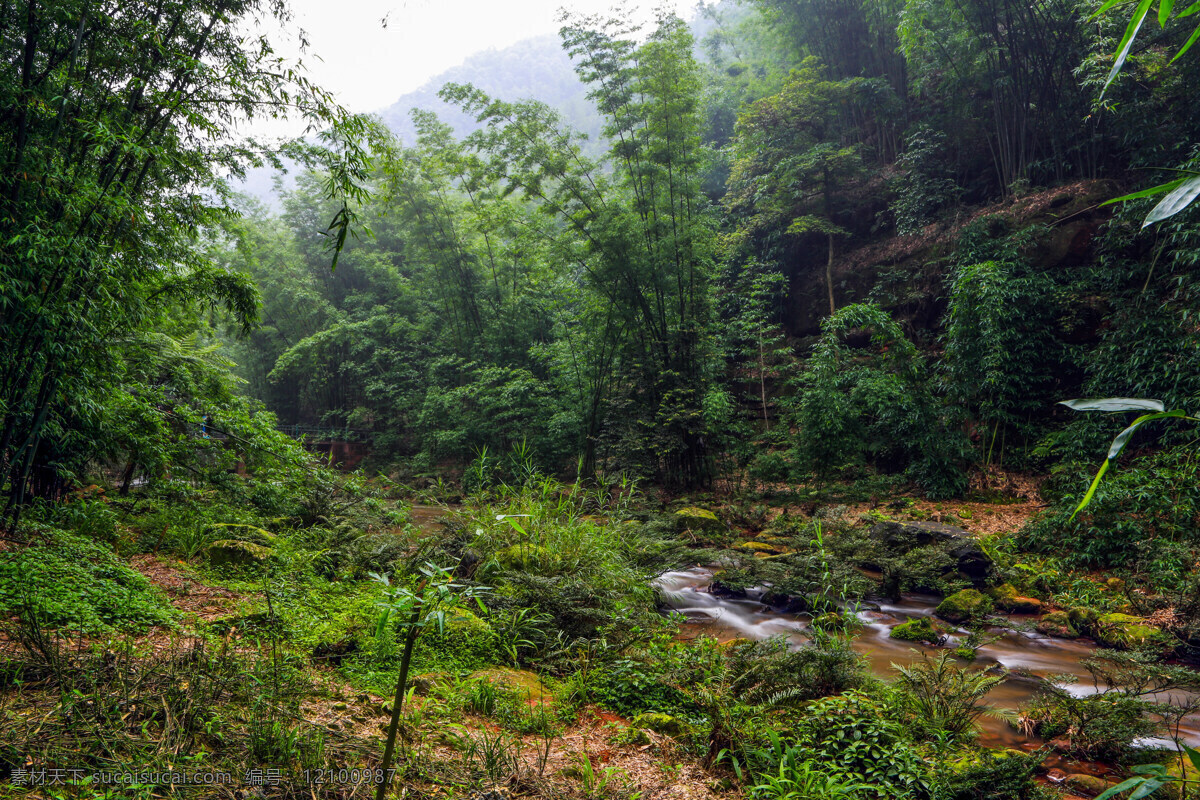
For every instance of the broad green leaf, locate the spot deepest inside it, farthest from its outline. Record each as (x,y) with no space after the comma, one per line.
(1151,192)
(1113,791)
(1179,199)
(1113,404)
(1192,9)
(1118,444)
(1165,7)
(1091,492)
(1193,755)
(1131,32)
(1149,787)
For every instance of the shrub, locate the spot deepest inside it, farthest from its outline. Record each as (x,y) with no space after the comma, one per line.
(937,695)
(68,581)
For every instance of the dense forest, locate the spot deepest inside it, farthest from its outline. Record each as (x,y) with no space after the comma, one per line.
(789,402)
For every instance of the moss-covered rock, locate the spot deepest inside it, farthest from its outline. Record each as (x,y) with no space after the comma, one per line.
(662,723)
(526,685)
(1084,619)
(1057,623)
(427,682)
(1008,599)
(837,621)
(525,557)
(964,606)
(231,553)
(758,548)
(919,629)
(694,518)
(1124,631)
(1089,785)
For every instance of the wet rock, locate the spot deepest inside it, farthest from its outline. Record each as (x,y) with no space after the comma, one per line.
(1089,785)
(1058,624)
(662,723)
(969,558)
(1083,619)
(1009,600)
(1124,631)
(920,629)
(964,606)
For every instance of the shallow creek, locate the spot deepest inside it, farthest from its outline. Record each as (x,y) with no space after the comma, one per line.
(1027,658)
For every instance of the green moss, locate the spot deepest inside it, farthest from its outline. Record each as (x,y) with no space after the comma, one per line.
(761,548)
(1058,623)
(235,554)
(525,557)
(1084,619)
(525,685)
(1124,631)
(920,629)
(662,723)
(695,518)
(964,606)
(837,621)
(1009,599)
(72,582)
(466,643)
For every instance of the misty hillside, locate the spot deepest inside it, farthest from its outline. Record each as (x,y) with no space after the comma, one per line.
(536,68)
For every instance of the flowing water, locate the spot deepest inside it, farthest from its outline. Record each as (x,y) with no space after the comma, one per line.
(1028,659)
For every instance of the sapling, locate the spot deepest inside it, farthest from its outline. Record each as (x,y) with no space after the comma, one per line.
(435,595)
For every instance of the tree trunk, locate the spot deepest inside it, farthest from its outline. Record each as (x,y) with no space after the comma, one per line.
(829,276)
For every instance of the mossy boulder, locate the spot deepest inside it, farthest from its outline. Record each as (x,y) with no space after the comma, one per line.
(525,685)
(919,629)
(1083,619)
(1008,599)
(1058,624)
(428,682)
(694,518)
(760,549)
(665,724)
(525,557)
(1124,631)
(964,606)
(235,554)
(837,621)
(1089,785)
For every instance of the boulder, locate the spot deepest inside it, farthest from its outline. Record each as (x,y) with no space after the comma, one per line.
(524,684)
(970,560)
(1010,600)
(1124,631)
(1089,785)
(662,723)
(694,518)
(919,629)
(964,606)
(236,554)
(758,548)
(1058,624)
(1083,619)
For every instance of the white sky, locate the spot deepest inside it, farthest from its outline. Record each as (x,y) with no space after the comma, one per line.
(369,66)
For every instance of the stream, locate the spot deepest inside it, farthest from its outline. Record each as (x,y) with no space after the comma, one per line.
(1027,658)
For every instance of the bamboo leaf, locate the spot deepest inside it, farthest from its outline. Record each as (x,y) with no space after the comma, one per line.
(1188,44)
(1152,191)
(1113,404)
(1091,492)
(1131,32)
(1193,755)
(1118,444)
(1180,198)
(1150,785)
(1113,791)
(1192,9)
(1165,7)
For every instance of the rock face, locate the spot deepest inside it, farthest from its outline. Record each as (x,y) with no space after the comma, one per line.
(964,606)
(970,560)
